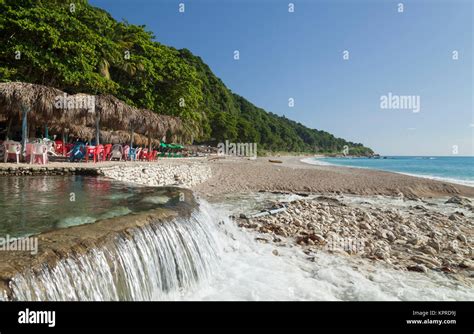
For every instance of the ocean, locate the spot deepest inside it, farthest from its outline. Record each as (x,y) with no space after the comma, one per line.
(458,170)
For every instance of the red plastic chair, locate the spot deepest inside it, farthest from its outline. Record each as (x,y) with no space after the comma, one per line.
(144,154)
(99,154)
(68,148)
(90,151)
(152,155)
(60,147)
(107,151)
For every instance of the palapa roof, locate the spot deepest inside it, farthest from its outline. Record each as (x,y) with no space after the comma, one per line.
(60,110)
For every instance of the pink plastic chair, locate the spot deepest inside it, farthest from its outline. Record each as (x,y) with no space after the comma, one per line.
(39,150)
(126,152)
(13,148)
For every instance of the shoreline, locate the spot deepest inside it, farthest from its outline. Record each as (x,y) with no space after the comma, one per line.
(429,177)
(294,176)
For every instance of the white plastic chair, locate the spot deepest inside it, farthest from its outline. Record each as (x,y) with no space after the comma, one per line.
(39,150)
(50,147)
(138,150)
(13,148)
(117,152)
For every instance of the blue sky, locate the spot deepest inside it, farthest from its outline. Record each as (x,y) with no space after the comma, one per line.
(299,55)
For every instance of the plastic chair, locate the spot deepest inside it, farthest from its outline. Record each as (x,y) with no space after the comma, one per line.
(40,150)
(138,152)
(117,152)
(126,152)
(144,154)
(68,149)
(152,155)
(132,156)
(90,152)
(13,148)
(107,151)
(78,152)
(99,153)
(50,146)
(60,147)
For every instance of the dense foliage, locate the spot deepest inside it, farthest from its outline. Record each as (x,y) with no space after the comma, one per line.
(83,49)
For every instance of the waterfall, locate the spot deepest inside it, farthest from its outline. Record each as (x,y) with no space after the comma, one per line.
(206,256)
(154,262)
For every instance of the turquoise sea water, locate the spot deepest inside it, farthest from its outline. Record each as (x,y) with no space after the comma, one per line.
(453,169)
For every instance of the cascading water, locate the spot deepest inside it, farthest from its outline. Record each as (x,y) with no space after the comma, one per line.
(155,262)
(207,257)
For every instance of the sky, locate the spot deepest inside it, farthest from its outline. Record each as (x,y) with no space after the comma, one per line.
(299,55)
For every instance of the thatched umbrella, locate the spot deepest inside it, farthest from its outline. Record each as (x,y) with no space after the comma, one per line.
(61,111)
(44,104)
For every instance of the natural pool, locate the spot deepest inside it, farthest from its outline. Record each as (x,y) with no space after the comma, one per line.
(30,205)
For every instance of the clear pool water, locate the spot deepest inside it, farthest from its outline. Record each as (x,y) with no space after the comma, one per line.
(30,205)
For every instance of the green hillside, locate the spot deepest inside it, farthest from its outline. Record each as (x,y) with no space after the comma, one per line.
(83,49)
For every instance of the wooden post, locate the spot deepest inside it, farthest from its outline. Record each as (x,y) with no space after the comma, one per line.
(64,143)
(10,119)
(149,142)
(97,128)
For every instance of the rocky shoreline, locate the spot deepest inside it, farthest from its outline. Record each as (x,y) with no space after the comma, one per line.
(419,236)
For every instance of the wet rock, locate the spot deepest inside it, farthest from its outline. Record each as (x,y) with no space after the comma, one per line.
(458,200)
(428,250)
(467,264)
(454,217)
(365,226)
(462,237)
(435,245)
(381,253)
(414,241)
(418,268)
(317,237)
(426,260)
